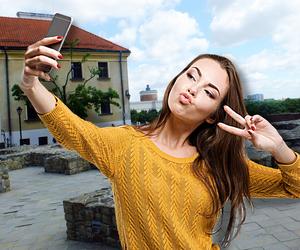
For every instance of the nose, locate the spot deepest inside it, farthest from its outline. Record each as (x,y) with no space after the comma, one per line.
(191,91)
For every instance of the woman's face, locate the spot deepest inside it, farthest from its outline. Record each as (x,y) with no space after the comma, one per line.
(197,92)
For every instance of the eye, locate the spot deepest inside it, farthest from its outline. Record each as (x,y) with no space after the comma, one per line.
(191,76)
(209,94)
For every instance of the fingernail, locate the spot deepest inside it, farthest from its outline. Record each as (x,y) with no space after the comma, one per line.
(251,118)
(58,66)
(59,37)
(253,128)
(250,132)
(60,56)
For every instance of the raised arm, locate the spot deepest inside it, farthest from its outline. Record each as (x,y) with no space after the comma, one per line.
(36,54)
(264,181)
(100,146)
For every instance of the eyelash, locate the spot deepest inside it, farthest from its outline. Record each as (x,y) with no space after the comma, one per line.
(208,93)
(191,76)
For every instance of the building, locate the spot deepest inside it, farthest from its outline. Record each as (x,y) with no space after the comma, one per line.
(148,94)
(16,34)
(255,97)
(146,105)
(148,101)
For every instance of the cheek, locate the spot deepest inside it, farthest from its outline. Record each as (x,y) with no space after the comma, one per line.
(172,96)
(205,106)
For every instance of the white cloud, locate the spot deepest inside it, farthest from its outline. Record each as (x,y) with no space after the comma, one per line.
(137,54)
(241,21)
(167,41)
(168,35)
(127,37)
(88,10)
(274,69)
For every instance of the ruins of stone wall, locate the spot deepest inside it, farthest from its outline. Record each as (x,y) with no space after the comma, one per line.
(91,217)
(53,158)
(66,164)
(4,180)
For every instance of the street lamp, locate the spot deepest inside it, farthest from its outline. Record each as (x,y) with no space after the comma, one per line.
(127,94)
(19,110)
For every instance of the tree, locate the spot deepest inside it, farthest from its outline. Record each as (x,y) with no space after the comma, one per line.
(144,116)
(267,107)
(83,97)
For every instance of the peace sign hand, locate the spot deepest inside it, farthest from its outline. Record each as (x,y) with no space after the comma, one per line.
(257,129)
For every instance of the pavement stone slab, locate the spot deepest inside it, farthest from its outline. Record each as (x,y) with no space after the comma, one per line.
(32,215)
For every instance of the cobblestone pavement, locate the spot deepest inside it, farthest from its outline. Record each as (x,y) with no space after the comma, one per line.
(32,216)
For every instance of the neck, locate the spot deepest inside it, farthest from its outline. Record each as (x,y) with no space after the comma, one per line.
(174,134)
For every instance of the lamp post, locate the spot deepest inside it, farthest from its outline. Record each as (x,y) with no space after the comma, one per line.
(19,110)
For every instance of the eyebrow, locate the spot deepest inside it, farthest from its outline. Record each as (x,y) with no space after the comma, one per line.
(209,84)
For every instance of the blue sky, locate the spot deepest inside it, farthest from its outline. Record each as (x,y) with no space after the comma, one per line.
(261,37)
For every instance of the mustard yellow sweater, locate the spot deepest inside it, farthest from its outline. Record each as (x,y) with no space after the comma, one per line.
(157,198)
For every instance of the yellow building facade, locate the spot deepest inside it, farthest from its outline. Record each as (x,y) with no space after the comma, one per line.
(33,131)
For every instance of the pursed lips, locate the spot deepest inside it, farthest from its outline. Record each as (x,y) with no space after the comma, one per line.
(186,97)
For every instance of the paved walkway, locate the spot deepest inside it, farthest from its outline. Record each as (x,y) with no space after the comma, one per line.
(32,216)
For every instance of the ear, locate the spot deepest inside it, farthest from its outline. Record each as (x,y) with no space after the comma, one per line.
(210,120)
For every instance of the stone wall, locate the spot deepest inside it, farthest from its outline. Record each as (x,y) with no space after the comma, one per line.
(91,217)
(70,163)
(4,180)
(290,132)
(54,158)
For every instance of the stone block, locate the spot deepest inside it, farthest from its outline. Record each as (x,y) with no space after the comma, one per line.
(91,217)
(4,179)
(67,164)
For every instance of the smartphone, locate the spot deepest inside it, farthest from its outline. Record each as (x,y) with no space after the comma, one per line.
(59,26)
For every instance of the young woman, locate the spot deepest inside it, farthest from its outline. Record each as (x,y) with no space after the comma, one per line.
(170,179)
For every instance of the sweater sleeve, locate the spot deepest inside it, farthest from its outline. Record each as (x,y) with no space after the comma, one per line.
(96,145)
(266,182)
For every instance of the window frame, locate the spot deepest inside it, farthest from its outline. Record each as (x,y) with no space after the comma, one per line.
(107,76)
(73,78)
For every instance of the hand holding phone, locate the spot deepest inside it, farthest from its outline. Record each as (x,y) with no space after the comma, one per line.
(41,56)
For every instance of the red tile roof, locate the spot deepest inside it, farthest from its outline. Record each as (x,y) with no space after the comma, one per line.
(21,32)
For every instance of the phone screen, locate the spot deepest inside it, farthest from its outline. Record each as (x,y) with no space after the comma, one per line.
(59,26)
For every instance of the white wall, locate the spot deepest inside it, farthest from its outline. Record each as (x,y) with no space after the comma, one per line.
(34,134)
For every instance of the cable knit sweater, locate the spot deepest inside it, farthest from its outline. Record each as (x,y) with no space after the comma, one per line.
(158,201)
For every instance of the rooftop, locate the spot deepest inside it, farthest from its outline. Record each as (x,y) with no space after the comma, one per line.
(19,33)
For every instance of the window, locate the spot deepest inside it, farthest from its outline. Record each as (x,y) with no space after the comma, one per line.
(105,107)
(31,114)
(76,71)
(103,67)
(25,141)
(43,140)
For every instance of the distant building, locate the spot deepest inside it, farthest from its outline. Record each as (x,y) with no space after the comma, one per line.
(148,94)
(148,101)
(146,105)
(255,97)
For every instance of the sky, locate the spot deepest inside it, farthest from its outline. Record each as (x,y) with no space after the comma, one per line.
(261,37)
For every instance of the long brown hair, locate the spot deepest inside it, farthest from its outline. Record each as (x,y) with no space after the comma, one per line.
(222,153)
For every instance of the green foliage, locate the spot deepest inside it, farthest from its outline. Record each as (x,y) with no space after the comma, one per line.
(144,116)
(18,93)
(268,107)
(85,98)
